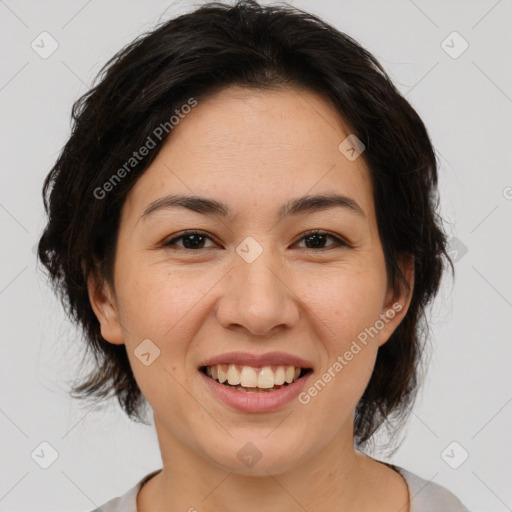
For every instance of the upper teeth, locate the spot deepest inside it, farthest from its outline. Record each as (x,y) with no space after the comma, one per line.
(250,377)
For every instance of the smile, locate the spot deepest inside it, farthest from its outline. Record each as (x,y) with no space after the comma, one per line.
(255,383)
(254,379)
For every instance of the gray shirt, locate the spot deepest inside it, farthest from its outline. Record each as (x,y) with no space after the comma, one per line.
(425,496)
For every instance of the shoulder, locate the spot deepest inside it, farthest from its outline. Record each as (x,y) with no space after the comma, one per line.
(427,496)
(128,501)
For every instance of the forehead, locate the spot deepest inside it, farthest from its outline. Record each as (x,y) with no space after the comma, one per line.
(255,148)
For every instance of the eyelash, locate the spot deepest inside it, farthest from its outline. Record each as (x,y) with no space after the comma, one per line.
(338,241)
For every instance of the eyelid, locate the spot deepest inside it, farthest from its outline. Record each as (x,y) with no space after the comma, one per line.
(339,241)
(188,232)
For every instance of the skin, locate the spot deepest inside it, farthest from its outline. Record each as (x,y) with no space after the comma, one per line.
(254,151)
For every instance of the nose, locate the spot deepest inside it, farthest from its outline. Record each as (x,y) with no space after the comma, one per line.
(257,298)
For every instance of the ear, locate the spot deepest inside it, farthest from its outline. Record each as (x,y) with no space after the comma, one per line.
(398,299)
(104,306)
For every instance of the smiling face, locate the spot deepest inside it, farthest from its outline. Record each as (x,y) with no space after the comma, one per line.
(254,281)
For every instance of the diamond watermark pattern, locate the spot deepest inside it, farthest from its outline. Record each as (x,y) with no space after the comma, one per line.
(44,45)
(249,454)
(249,249)
(456,249)
(454,455)
(44,455)
(454,45)
(146,352)
(351,147)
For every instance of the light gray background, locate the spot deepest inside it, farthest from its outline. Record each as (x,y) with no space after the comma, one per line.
(466,103)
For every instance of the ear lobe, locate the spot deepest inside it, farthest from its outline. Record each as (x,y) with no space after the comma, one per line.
(398,299)
(105,309)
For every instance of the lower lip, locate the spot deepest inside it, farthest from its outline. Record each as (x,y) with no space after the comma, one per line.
(265,401)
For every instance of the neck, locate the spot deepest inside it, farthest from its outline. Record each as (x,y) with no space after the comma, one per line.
(333,479)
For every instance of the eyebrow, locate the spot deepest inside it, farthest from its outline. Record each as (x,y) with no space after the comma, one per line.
(211,207)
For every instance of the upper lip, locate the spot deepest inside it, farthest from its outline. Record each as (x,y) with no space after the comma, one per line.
(257,360)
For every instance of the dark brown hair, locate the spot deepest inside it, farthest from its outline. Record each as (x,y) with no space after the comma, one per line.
(193,56)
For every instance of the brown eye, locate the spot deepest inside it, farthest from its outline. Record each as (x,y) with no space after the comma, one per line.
(191,240)
(317,239)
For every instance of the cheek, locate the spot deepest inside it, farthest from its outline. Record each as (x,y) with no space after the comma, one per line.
(156,302)
(346,300)
(346,307)
(158,307)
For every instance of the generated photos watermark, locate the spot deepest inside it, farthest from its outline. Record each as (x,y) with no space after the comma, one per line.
(158,133)
(343,360)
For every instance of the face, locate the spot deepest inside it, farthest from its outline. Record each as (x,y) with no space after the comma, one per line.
(252,287)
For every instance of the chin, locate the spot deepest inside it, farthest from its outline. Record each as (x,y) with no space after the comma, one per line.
(257,455)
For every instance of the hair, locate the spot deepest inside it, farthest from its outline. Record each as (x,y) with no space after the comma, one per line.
(193,56)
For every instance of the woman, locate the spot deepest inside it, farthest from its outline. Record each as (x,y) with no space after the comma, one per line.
(244,223)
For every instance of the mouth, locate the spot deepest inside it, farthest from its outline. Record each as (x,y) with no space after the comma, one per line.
(255,379)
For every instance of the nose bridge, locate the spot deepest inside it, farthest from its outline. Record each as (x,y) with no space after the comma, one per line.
(260,287)
(260,277)
(257,297)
